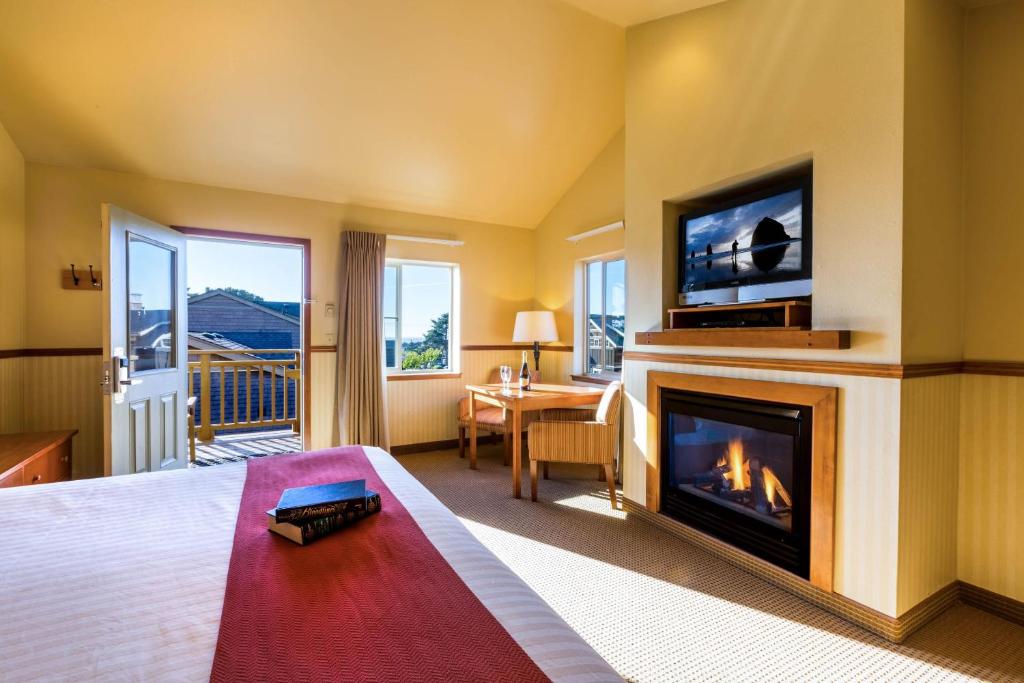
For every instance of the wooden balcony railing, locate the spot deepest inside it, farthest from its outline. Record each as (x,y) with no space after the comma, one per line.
(244,389)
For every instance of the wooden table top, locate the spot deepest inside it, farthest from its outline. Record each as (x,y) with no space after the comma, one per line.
(18,448)
(537,391)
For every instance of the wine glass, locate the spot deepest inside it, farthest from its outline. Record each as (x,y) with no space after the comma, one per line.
(506,377)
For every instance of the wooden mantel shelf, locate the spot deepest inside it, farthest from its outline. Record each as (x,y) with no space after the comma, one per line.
(749,337)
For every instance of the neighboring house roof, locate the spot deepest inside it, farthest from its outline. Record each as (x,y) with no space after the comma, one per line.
(213,293)
(213,341)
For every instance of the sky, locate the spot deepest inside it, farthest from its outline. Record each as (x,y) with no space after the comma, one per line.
(426,294)
(271,271)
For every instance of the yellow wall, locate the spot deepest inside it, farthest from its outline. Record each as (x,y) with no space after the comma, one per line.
(63,227)
(994,203)
(933,149)
(728,91)
(595,199)
(991,550)
(12,244)
(63,224)
(12,282)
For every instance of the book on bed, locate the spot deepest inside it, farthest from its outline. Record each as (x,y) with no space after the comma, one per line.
(306,531)
(311,502)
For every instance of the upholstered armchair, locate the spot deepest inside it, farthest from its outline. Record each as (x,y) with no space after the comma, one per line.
(581,436)
(490,418)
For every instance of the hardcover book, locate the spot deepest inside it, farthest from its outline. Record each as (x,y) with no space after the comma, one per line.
(306,531)
(310,502)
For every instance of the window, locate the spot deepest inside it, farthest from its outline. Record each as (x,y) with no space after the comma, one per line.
(604,313)
(419,316)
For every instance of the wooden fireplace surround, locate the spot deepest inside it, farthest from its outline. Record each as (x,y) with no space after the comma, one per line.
(822,400)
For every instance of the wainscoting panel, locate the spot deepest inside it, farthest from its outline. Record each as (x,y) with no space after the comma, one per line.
(322,383)
(424,410)
(867,470)
(427,410)
(63,392)
(991,516)
(929,427)
(12,404)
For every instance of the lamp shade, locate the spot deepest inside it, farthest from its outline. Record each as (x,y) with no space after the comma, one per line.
(535,326)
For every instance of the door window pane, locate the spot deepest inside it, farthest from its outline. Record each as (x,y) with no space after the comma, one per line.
(151,304)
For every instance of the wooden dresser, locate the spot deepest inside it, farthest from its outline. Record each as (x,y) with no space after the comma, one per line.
(35,457)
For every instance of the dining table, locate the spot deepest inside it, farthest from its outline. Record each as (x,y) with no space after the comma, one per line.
(516,402)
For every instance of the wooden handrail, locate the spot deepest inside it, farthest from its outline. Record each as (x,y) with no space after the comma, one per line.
(243,371)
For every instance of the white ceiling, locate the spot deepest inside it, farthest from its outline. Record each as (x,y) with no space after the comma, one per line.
(629,12)
(478,109)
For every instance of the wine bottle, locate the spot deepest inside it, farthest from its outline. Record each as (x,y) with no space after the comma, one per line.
(524,375)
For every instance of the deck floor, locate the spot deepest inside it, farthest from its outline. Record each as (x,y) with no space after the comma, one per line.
(238,447)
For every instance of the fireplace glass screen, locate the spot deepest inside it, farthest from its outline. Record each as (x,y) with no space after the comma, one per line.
(740,470)
(745,469)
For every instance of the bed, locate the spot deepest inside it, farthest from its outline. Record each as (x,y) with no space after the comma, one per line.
(123,578)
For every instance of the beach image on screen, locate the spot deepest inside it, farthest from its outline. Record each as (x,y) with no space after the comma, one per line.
(752,241)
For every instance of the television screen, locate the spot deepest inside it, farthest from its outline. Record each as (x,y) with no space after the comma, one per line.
(756,241)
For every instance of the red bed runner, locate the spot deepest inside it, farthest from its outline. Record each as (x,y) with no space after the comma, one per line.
(373,602)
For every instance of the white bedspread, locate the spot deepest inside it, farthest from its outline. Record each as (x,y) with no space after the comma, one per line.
(123,578)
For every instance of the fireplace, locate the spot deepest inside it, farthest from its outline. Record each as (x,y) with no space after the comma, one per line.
(740,469)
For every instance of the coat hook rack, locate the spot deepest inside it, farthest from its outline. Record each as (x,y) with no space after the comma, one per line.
(73,279)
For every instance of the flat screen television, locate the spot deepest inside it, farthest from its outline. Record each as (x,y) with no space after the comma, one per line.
(753,246)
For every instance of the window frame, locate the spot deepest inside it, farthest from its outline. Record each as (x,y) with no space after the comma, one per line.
(453,319)
(585,264)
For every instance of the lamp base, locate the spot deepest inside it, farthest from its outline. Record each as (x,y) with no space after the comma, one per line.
(536,355)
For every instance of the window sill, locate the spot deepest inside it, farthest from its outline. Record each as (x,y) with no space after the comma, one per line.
(593,379)
(410,376)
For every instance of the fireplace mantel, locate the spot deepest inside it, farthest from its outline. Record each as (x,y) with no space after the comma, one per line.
(822,400)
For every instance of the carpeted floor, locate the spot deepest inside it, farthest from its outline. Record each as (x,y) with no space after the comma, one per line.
(660,609)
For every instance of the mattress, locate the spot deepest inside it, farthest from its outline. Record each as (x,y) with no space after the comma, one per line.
(123,578)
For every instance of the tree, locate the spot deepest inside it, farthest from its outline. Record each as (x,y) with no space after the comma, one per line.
(437,336)
(432,352)
(427,359)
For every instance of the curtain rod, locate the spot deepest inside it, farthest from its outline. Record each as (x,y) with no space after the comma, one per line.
(426,240)
(617,225)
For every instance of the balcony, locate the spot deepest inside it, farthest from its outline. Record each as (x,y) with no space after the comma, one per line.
(243,403)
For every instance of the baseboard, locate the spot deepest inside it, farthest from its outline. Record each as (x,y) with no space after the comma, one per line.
(425,446)
(894,629)
(994,603)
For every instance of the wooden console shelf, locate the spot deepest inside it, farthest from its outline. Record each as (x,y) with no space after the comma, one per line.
(790,314)
(750,337)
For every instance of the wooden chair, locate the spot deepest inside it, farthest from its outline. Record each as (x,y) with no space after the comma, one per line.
(490,418)
(582,436)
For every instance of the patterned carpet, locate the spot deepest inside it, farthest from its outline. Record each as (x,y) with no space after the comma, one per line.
(659,609)
(238,447)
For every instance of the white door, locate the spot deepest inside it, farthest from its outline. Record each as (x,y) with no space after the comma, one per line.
(144,345)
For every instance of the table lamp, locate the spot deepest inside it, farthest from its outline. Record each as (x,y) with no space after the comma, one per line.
(536,327)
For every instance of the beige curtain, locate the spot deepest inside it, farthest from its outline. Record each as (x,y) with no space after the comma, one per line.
(362,411)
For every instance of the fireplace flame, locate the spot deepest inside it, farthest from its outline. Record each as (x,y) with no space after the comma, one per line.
(739,468)
(734,469)
(773,487)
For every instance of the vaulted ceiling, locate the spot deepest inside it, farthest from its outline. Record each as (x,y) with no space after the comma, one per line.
(479,109)
(629,12)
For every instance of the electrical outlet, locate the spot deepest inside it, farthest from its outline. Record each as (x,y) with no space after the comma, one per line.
(329,310)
